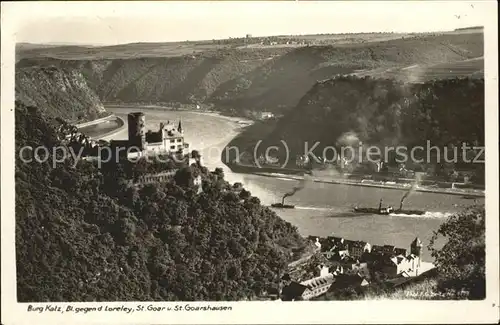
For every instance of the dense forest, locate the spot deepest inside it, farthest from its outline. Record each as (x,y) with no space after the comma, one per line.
(82,236)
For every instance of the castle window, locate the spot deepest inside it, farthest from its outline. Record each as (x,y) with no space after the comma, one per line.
(172,147)
(179,140)
(172,141)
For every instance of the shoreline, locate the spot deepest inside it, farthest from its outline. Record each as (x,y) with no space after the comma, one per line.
(94,122)
(291,176)
(384,186)
(449,191)
(234,133)
(235,119)
(101,136)
(114,132)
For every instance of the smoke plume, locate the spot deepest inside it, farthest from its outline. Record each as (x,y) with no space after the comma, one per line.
(349,143)
(300,186)
(348,139)
(414,186)
(293,191)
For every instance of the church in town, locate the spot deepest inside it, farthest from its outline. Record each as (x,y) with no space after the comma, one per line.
(349,263)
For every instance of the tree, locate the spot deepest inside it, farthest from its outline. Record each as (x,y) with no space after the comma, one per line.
(195,154)
(219,172)
(183,177)
(461,260)
(244,194)
(109,241)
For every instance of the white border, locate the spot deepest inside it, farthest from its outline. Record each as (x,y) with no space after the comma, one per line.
(243,312)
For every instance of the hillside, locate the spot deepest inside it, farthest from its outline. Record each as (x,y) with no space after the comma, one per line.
(58,92)
(259,78)
(347,111)
(83,236)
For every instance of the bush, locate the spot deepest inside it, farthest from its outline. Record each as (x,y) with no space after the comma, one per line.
(461,261)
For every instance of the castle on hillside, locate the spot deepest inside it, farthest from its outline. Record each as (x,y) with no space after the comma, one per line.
(169,139)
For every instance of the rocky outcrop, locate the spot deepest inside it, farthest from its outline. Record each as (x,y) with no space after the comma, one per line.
(350,111)
(58,92)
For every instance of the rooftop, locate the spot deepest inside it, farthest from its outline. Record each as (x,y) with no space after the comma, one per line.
(318,282)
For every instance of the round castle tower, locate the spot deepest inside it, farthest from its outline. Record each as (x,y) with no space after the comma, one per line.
(136,130)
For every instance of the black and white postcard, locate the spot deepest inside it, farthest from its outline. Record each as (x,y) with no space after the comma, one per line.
(249,162)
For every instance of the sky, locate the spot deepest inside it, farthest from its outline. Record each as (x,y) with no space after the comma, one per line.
(116,23)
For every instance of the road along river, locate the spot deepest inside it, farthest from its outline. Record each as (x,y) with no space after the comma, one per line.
(321,209)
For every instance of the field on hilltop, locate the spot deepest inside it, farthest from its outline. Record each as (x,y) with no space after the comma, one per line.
(168,49)
(467,68)
(273,74)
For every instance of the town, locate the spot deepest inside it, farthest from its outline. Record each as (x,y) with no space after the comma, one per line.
(340,263)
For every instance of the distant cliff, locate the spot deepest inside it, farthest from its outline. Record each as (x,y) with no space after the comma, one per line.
(58,92)
(239,80)
(348,110)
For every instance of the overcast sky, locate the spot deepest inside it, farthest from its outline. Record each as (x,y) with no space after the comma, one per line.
(126,22)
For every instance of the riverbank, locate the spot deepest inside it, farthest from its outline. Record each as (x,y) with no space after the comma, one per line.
(110,134)
(290,174)
(101,129)
(96,121)
(295,174)
(209,112)
(320,208)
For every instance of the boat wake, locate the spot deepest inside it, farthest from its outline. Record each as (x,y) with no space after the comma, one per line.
(313,208)
(284,178)
(427,214)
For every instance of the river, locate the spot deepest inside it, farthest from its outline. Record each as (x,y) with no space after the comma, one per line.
(322,209)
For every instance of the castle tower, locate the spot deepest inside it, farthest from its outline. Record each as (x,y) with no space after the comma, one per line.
(136,130)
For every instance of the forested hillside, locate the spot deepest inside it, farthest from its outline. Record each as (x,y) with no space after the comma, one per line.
(238,80)
(59,92)
(347,111)
(80,239)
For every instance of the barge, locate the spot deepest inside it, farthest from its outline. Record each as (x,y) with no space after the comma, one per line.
(386,211)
